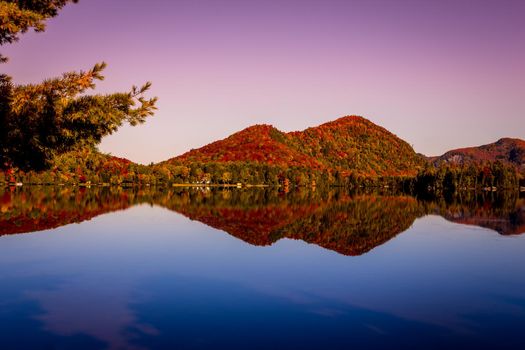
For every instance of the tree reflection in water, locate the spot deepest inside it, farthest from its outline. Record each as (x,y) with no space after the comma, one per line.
(348,223)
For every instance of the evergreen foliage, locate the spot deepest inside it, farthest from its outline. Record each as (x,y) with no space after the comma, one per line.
(18,16)
(447,177)
(38,122)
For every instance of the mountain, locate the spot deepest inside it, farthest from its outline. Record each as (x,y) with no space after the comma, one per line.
(258,144)
(506,150)
(349,144)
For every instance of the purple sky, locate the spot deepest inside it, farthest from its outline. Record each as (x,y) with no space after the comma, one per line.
(439,74)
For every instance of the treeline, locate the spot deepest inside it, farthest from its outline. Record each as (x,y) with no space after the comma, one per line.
(91,167)
(450,177)
(103,170)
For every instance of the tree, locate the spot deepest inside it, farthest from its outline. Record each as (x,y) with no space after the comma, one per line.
(40,121)
(18,16)
(226,177)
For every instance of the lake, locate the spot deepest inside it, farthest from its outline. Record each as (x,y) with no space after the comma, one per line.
(198,268)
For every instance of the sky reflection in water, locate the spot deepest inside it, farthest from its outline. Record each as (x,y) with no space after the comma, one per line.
(149,278)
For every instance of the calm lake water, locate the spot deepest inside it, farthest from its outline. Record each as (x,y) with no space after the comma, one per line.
(259,269)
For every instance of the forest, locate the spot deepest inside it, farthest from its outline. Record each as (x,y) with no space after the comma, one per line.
(50,131)
(90,167)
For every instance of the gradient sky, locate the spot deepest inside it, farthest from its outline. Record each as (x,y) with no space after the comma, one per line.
(439,74)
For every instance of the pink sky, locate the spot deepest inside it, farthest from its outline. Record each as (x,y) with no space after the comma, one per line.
(439,74)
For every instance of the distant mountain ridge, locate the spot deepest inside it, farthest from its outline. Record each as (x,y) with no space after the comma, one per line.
(507,150)
(350,144)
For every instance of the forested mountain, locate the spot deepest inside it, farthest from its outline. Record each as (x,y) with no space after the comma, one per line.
(350,144)
(350,151)
(257,144)
(506,150)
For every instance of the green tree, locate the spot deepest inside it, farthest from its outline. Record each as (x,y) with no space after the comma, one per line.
(18,16)
(40,121)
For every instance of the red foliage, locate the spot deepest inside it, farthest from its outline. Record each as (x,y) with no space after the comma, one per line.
(506,150)
(346,144)
(257,144)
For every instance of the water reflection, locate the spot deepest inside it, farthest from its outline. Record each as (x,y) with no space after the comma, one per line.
(148,278)
(347,223)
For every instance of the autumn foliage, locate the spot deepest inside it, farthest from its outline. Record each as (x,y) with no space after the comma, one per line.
(347,145)
(506,150)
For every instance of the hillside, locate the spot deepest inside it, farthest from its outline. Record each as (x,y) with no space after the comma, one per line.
(506,150)
(258,144)
(349,144)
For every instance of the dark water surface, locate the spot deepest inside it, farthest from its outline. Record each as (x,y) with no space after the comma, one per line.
(259,269)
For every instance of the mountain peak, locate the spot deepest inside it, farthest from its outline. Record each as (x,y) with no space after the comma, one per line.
(508,150)
(346,120)
(351,118)
(509,140)
(258,127)
(351,144)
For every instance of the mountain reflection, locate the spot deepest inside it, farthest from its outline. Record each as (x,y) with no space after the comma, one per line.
(348,223)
